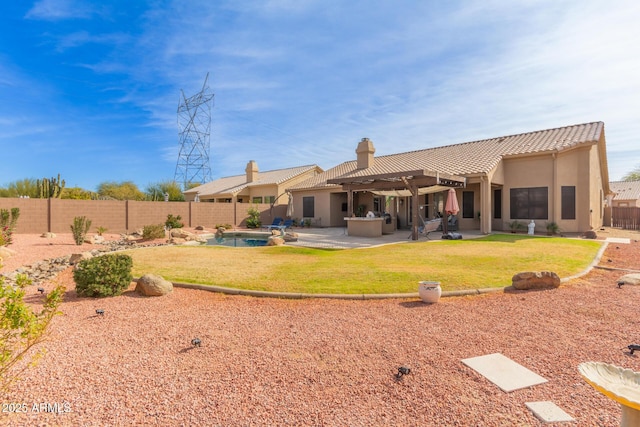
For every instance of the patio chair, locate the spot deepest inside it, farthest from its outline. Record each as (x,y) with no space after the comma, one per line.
(288,223)
(428,227)
(276,223)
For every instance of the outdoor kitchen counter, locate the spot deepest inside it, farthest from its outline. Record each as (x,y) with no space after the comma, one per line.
(364,227)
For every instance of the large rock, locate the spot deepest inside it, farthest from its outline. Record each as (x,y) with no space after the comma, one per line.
(151,285)
(76,258)
(275,241)
(290,237)
(535,280)
(630,279)
(48,235)
(6,252)
(180,233)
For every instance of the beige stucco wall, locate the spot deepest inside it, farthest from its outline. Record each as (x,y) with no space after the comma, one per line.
(579,167)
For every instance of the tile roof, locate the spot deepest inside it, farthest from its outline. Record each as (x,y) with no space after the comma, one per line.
(468,158)
(237,183)
(626,190)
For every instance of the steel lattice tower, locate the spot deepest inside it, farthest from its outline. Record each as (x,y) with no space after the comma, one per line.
(194,124)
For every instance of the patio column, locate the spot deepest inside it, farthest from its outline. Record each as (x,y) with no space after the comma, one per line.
(485,205)
(349,203)
(414,214)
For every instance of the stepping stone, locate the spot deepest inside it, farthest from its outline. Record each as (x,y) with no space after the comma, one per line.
(504,372)
(617,240)
(548,412)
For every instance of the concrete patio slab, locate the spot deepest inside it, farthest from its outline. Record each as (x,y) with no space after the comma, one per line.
(549,412)
(504,372)
(617,240)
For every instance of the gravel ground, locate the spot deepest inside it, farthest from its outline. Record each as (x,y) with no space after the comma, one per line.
(323,362)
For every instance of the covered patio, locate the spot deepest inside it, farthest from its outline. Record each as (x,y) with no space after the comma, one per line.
(398,184)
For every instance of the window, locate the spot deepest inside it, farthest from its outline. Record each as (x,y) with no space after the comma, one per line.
(256,200)
(308,209)
(568,202)
(467,204)
(269,199)
(497,203)
(529,203)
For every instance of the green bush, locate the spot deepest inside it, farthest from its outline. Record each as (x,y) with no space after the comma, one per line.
(174,221)
(8,222)
(153,231)
(22,327)
(103,276)
(254,218)
(225,226)
(79,228)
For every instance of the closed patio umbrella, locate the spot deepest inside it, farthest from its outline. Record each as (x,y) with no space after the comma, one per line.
(290,206)
(450,208)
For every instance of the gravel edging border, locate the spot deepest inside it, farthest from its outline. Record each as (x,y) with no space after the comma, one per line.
(301,295)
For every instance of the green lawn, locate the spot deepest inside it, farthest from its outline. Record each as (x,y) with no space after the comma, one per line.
(486,262)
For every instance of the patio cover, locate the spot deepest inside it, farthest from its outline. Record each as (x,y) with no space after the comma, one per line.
(400,184)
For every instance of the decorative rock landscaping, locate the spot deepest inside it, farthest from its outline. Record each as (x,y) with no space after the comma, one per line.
(41,271)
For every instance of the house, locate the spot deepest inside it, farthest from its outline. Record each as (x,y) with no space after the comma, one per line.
(627,194)
(252,187)
(555,175)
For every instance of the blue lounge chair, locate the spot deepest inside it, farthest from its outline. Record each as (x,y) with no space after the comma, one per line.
(288,223)
(275,224)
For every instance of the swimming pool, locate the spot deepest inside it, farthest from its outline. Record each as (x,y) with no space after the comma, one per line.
(240,240)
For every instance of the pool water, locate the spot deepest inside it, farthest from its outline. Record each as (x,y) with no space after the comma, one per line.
(238,241)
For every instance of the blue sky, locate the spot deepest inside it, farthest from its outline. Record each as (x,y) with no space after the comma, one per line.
(90,89)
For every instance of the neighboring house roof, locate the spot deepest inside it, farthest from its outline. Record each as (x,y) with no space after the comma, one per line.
(469,158)
(626,190)
(237,183)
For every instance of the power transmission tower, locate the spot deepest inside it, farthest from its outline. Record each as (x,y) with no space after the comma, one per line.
(194,124)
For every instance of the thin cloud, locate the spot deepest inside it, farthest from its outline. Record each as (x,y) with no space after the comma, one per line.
(56,10)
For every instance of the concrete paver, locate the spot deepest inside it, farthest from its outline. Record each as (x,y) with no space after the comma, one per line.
(504,372)
(549,412)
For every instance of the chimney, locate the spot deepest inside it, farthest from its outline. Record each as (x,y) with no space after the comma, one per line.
(252,171)
(365,152)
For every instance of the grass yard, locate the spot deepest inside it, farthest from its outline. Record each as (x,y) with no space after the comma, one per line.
(485,262)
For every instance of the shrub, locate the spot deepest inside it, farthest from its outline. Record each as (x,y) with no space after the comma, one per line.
(153,231)
(20,327)
(225,226)
(516,226)
(174,221)
(103,276)
(101,230)
(254,218)
(8,222)
(80,228)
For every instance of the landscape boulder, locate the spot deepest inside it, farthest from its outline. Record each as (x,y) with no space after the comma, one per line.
(535,280)
(275,241)
(48,235)
(6,252)
(76,258)
(591,234)
(290,236)
(630,279)
(185,236)
(151,285)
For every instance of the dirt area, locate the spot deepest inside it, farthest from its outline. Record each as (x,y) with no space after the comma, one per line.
(324,362)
